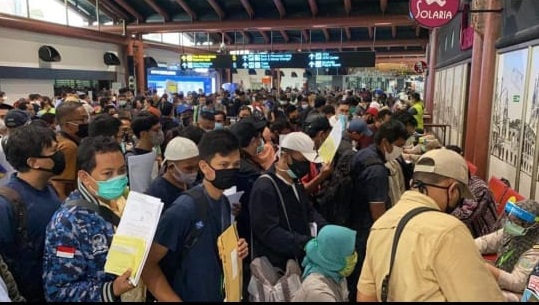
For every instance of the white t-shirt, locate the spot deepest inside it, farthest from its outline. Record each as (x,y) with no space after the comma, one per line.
(4,295)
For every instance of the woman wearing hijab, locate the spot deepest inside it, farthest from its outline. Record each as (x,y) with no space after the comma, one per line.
(329,259)
(516,246)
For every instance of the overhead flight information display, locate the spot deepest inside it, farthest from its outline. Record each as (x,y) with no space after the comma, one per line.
(280,60)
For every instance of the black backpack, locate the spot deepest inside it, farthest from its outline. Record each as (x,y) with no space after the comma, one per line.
(335,203)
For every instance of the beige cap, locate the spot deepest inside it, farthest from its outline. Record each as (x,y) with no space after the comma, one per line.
(180,148)
(300,142)
(446,163)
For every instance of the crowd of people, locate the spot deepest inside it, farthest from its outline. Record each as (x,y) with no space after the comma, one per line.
(65,173)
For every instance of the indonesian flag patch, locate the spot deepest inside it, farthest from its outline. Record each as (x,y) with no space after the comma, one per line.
(65,251)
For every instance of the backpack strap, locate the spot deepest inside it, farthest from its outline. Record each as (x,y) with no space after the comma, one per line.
(18,208)
(107,214)
(400,227)
(201,207)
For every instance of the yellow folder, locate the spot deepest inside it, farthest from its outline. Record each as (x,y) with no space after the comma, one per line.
(227,244)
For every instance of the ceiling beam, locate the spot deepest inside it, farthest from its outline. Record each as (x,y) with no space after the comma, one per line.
(187,9)
(314,7)
(334,45)
(265,25)
(347,7)
(394,31)
(348,34)
(396,60)
(326,34)
(130,10)
(285,35)
(400,54)
(383,5)
(115,9)
(370,32)
(217,8)
(248,8)
(280,7)
(103,9)
(158,9)
(265,36)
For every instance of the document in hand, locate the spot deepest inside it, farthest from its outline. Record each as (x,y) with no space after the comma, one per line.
(134,235)
(328,149)
(233,197)
(142,170)
(227,244)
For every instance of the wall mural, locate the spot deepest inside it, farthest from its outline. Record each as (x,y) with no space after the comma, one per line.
(449,102)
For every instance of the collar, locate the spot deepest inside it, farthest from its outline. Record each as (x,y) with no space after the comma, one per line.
(378,152)
(69,137)
(420,199)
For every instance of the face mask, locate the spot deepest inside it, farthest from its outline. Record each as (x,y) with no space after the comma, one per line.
(186,121)
(513,229)
(59,163)
(298,169)
(260,147)
(219,101)
(158,138)
(449,209)
(397,152)
(283,102)
(122,102)
(83,131)
(183,177)
(224,178)
(219,126)
(304,106)
(351,262)
(294,120)
(113,188)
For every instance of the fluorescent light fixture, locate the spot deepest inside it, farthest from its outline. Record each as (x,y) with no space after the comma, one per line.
(382,23)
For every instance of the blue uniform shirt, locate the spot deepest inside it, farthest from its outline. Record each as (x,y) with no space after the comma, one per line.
(76,247)
(26,261)
(164,190)
(198,276)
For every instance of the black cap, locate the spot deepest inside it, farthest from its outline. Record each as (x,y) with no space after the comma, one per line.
(16,117)
(315,123)
(245,131)
(258,123)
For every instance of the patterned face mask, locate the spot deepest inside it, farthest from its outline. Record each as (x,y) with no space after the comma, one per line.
(351,262)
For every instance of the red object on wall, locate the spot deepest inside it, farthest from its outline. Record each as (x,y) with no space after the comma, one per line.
(434,13)
(466,30)
(420,67)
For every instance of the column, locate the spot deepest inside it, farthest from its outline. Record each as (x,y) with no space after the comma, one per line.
(431,78)
(486,89)
(138,58)
(473,97)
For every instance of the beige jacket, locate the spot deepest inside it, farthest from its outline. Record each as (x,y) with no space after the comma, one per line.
(317,288)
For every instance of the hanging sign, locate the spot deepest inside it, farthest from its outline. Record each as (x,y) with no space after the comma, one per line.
(434,13)
(420,67)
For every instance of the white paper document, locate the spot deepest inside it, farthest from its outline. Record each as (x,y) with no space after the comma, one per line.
(142,170)
(133,238)
(233,197)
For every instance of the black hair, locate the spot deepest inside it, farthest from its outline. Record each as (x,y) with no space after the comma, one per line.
(289,109)
(206,115)
(214,142)
(89,147)
(166,108)
(245,107)
(34,96)
(406,118)
(23,105)
(216,113)
(104,125)
(144,121)
(315,123)
(193,133)
(328,109)
(392,131)
(48,118)
(25,142)
(455,148)
(66,110)
(279,125)
(416,96)
(383,113)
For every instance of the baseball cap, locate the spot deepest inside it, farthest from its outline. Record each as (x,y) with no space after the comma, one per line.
(300,142)
(315,123)
(258,123)
(183,108)
(446,163)
(372,111)
(180,148)
(16,118)
(360,126)
(245,131)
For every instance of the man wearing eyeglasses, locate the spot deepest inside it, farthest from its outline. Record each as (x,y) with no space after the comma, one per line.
(73,121)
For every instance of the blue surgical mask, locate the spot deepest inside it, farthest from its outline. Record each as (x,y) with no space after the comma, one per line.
(260,147)
(218,126)
(113,188)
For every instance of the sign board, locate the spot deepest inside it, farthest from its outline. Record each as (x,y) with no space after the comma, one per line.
(434,13)
(279,60)
(420,67)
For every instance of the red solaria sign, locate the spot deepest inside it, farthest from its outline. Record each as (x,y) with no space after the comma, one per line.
(433,13)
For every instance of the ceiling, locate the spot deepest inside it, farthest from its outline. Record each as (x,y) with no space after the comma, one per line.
(271,25)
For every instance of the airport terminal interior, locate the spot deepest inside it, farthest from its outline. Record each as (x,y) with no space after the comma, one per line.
(269,150)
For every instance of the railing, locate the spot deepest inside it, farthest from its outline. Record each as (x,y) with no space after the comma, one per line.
(443,127)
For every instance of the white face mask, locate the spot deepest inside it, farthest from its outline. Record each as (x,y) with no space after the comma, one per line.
(397,152)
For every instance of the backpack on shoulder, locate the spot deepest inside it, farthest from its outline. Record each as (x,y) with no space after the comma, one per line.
(335,203)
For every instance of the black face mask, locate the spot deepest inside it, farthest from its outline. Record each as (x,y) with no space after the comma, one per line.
(186,122)
(225,178)
(59,163)
(300,168)
(294,120)
(83,131)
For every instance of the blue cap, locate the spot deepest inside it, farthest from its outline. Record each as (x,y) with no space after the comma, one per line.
(360,126)
(183,108)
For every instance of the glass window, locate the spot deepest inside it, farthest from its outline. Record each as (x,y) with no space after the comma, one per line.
(14,7)
(172,38)
(152,36)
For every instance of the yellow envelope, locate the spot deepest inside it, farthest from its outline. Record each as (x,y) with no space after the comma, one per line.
(227,244)
(125,252)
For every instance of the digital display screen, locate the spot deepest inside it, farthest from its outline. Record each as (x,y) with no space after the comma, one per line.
(280,60)
(169,81)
